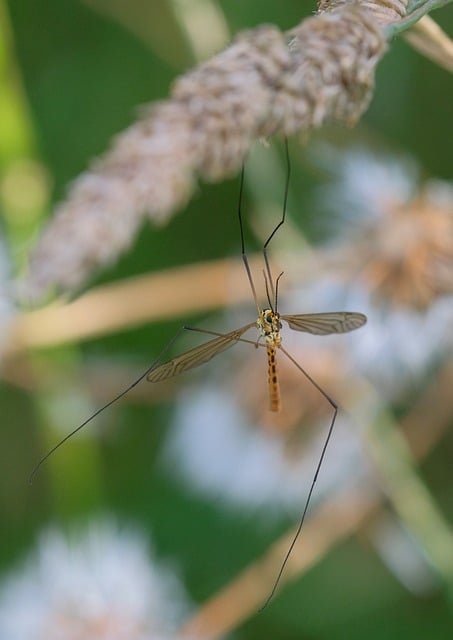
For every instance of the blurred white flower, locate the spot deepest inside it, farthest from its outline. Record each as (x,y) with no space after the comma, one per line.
(363,184)
(399,347)
(394,242)
(216,452)
(396,235)
(99,585)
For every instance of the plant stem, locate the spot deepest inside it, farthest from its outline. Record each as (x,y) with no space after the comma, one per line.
(416,10)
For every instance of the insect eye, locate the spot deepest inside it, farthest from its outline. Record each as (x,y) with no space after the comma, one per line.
(268,319)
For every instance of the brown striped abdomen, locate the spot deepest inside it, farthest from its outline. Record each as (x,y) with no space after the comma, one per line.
(274,387)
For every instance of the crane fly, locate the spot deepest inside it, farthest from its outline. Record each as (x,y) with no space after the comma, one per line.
(269,325)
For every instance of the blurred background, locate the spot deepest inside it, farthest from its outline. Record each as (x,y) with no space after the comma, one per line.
(189,483)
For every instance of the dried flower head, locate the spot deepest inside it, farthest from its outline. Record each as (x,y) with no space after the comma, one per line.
(393,239)
(399,235)
(407,259)
(256,87)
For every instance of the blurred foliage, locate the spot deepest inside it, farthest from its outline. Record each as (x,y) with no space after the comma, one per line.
(74,75)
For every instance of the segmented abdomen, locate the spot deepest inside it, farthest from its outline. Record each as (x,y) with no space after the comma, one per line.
(274,387)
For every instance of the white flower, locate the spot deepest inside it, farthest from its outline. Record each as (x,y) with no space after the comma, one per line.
(398,347)
(395,244)
(364,185)
(396,234)
(100,585)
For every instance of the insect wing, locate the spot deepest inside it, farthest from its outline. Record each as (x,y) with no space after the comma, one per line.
(196,356)
(324,323)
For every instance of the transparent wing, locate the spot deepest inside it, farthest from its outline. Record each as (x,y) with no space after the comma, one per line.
(324,323)
(196,356)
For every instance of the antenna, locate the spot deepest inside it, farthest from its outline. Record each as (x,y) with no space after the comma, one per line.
(276,291)
(271,290)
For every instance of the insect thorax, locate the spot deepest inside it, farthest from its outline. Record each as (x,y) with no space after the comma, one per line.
(269,326)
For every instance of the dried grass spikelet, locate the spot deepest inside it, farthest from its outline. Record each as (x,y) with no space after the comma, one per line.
(261,84)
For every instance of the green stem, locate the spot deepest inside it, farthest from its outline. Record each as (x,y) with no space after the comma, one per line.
(399,478)
(416,10)
(412,5)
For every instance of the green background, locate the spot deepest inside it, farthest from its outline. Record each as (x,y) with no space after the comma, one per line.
(80,76)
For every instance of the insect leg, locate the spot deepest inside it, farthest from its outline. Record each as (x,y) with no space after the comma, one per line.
(315,477)
(105,406)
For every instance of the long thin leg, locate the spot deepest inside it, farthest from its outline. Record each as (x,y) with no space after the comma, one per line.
(315,477)
(282,221)
(241,227)
(96,413)
(130,387)
(285,199)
